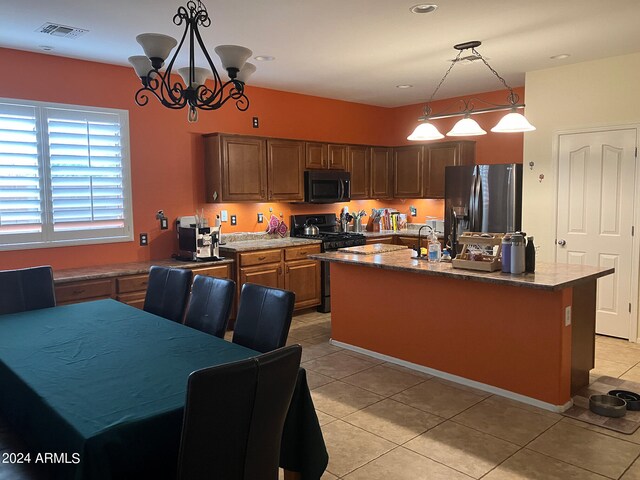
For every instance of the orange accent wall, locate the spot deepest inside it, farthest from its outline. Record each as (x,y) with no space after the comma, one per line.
(167,161)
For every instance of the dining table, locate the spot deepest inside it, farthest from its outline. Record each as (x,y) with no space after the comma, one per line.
(97,391)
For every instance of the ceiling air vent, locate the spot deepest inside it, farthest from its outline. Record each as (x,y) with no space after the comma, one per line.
(467,60)
(58,30)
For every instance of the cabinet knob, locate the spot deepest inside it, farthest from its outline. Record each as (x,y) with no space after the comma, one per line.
(261,258)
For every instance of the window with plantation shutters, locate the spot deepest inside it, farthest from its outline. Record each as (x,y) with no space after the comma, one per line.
(64,175)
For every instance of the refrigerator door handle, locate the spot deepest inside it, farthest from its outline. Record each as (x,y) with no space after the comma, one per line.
(472,199)
(478,203)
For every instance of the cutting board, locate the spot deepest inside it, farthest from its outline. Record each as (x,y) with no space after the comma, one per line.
(372,249)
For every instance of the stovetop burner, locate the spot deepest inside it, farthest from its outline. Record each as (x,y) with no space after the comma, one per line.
(327,223)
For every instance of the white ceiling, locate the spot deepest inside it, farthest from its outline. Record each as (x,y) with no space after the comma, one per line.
(356,50)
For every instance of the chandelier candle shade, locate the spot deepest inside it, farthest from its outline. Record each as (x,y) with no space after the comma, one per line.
(194,93)
(466,127)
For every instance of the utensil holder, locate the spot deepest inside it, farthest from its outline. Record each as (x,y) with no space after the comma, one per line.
(373,225)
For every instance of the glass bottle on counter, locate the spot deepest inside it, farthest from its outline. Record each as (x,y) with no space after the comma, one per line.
(435,249)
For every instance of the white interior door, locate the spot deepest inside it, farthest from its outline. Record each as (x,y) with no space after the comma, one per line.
(596,191)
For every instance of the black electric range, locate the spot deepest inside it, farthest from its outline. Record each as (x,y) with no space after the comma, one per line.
(332,239)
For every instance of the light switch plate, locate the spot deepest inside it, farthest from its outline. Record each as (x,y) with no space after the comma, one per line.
(223,216)
(260,218)
(567,316)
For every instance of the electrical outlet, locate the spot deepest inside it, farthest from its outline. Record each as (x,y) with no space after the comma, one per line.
(256,124)
(223,215)
(413,210)
(567,316)
(144,240)
(260,218)
(233,220)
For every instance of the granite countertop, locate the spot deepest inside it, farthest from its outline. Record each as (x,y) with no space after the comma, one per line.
(548,276)
(265,244)
(120,269)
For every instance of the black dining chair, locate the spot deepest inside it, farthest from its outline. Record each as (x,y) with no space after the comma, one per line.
(264,317)
(167,292)
(26,289)
(234,416)
(210,304)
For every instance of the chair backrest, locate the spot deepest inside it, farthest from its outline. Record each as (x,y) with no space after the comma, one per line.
(210,304)
(26,289)
(234,416)
(264,317)
(167,292)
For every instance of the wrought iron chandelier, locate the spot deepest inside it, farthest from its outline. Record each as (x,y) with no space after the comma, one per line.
(193,94)
(511,122)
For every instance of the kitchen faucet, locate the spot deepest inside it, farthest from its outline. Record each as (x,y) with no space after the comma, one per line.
(417,249)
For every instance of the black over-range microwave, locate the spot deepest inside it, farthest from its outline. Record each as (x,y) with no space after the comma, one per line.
(327,186)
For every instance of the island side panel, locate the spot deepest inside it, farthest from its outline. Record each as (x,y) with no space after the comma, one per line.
(509,337)
(583,319)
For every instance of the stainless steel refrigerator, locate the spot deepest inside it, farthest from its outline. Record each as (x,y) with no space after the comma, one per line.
(482,198)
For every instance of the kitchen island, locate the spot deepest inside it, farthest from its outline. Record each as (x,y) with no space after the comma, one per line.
(529,337)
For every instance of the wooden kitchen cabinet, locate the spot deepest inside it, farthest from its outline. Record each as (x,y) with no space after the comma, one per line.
(285,167)
(316,155)
(360,168)
(84,291)
(407,171)
(235,168)
(419,169)
(381,161)
(439,155)
(337,157)
(287,268)
(411,242)
(386,240)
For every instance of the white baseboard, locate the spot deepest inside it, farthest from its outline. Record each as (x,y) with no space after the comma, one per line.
(455,378)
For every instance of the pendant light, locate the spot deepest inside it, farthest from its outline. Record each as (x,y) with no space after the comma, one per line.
(194,94)
(511,122)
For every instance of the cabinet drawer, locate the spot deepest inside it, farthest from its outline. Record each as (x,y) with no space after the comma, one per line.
(132,283)
(300,253)
(371,240)
(134,299)
(263,256)
(76,291)
(220,272)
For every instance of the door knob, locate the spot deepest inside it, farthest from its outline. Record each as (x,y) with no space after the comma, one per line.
(562,243)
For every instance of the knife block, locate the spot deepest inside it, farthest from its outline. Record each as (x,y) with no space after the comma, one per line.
(373,225)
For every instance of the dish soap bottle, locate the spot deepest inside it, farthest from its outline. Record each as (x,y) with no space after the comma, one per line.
(435,251)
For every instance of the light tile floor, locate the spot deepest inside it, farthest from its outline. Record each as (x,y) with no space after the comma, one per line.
(385,422)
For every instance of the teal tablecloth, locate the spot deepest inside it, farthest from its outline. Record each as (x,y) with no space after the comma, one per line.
(107,382)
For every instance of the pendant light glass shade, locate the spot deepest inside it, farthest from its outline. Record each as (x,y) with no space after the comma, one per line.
(425,131)
(232,56)
(467,127)
(513,122)
(141,64)
(245,72)
(156,45)
(200,74)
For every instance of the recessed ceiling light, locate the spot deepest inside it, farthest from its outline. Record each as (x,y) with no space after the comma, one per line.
(46,48)
(264,58)
(562,56)
(404,86)
(424,8)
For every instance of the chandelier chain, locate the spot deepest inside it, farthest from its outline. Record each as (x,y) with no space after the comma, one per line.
(504,82)
(453,63)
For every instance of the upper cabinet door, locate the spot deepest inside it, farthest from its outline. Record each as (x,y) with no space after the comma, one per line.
(381,172)
(244,165)
(438,156)
(338,157)
(316,155)
(407,169)
(285,167)
(359,166)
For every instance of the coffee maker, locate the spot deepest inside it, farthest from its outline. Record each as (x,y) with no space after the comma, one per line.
(197,240)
